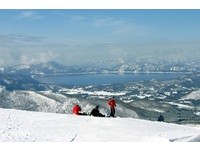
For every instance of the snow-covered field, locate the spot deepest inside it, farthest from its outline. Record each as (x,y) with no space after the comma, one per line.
(25,126)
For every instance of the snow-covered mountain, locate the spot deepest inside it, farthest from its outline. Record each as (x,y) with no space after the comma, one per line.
(24,126)
(130,66)
(18,81)
(41,68)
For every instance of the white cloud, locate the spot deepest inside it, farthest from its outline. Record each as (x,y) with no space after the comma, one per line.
(108,22)
(46,56)
(10,39)
(6,57)
(78,17)
(2,62)
(25,59)
(119,26)
(29,15)
(35,58)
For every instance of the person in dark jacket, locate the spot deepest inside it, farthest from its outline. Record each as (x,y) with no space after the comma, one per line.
(95,112)
(161,118)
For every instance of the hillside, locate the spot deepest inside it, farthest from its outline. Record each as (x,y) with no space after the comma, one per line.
(26,126)
(177,98)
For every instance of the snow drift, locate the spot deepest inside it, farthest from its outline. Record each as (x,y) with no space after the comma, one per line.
(26,126)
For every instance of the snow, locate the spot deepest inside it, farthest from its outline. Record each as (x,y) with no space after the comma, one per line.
(7,81)
(2,69)
(43,103)
(161,97)
(197,113)
(167,93)
(181,105)
(195,95)
(22,66)
(26,126)
(2,88)
(95,93)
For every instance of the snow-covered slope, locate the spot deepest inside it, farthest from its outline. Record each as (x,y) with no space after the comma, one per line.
(24,126)
(47,101)
(194,95)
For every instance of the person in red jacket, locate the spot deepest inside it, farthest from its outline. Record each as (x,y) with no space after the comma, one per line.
(112,105)
(76,110)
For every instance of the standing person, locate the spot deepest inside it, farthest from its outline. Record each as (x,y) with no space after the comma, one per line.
(95,112)
(112,105)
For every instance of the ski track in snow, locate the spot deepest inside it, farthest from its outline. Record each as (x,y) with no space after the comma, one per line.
(73,138)
(24,126)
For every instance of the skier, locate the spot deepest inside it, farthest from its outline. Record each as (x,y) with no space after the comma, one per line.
(95,112)
(112,105)
(77,110)
(161,118)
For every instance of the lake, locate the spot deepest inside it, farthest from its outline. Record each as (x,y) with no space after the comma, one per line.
(99,79)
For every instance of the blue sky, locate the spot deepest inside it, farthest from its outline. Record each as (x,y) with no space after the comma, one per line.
(87,36)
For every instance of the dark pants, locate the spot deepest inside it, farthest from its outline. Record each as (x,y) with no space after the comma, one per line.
(112,112)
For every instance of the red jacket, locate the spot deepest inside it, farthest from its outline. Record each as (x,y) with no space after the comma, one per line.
(112,103)
(76,109)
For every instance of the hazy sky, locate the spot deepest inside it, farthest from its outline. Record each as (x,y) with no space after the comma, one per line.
(80,36)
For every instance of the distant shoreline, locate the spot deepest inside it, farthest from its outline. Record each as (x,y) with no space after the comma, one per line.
(95,78)
(109,72)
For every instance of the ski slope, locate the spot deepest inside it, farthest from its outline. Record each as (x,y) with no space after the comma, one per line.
(26,126)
